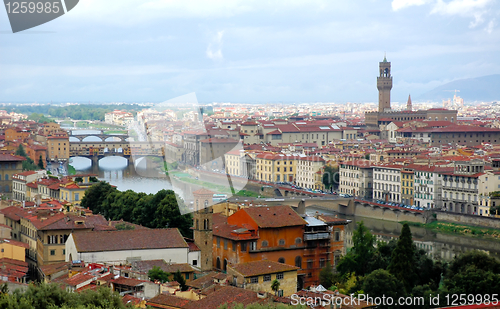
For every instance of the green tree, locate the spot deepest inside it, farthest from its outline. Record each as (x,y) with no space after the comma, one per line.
(50,296)
(180,279)
(275,286)
(158,274)
(78,179)
(362,252)
(40,163)
(330,177)
(402,264)
(93,179)
(326,276)
(95,195)
(382,283)
(474,272)
(20,151)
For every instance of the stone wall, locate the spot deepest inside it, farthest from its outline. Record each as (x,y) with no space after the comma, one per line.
(387,214)
(467,219)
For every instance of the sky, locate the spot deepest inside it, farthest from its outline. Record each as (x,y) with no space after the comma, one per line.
(248,51)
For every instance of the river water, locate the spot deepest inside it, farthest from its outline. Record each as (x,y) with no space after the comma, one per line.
(437,245)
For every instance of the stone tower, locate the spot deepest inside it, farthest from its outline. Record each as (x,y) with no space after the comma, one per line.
(409,106)
(202,226)
(384,86)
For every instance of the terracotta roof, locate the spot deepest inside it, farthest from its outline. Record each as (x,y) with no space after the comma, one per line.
(79,279)
(226,295)
(275,216)
(262,267)
(331,220)
(128,240)
(50,269)
(14,242)
(193,247)
(9,157)
(203,191)
(127,281)
(147,265)
(203,282)
(170,301)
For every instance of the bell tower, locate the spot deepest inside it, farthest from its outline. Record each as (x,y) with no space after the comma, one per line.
(202,226)
(384,86)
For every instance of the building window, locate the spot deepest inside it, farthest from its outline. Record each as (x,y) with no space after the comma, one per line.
(282,242)
(298,262)
(267,278)
(281,260)
(243,246)
(218,242)
(298,240)
(265,243)
(279,276)
(234,245)
(77,196)
(195,262)
(254,279)
(253,245)
(225,244)
(310,264)
(52,252)
(322,263)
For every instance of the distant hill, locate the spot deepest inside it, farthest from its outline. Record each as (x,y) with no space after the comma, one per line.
(484,88)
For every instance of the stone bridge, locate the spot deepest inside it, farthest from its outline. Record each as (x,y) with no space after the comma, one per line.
(99,150)
(103,137)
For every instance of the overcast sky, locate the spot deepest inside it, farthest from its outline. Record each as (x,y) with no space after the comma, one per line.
(248,50)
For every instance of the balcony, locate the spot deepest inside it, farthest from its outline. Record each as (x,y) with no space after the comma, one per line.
(316,236)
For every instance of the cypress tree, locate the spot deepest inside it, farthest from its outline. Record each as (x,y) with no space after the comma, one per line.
(402,264)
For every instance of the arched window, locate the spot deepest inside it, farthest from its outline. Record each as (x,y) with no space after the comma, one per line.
(298,262)
(264,243)
(218,263)
(282,242)
(281,260)
(225,264)
(6,177)
(197,226)
(298,240)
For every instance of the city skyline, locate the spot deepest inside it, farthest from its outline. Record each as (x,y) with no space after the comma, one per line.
(231,51)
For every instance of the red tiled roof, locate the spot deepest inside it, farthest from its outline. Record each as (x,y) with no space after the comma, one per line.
(275,216)
(11,158)
(127,281)
(170,301)
(128,240)
(226,295)
(262,267)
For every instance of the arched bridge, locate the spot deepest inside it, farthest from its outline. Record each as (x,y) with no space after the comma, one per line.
(99,150)
(101,136)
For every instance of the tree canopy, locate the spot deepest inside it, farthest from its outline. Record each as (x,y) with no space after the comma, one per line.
(49,296)
(402,264)
(159,210)
(362,252)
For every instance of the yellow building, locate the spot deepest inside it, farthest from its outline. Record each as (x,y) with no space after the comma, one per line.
(58,147)
(259,275)
(72,192)
(233,162)
(12,249)
(407,186)
(276,167)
